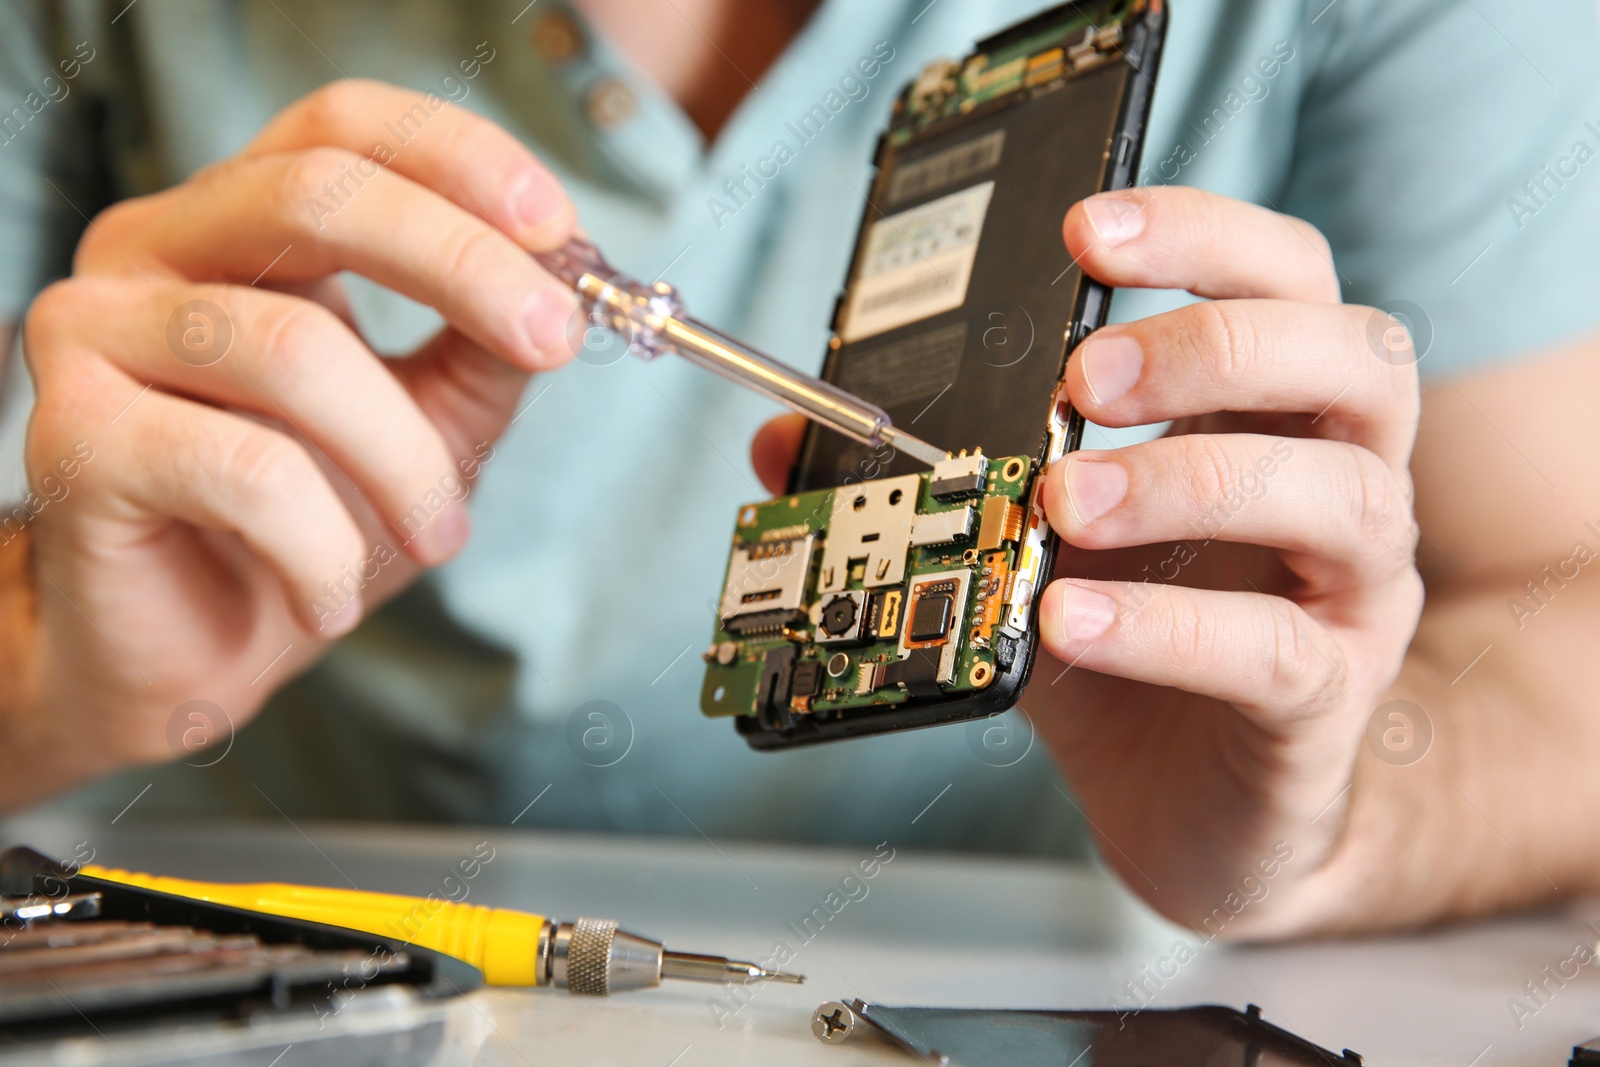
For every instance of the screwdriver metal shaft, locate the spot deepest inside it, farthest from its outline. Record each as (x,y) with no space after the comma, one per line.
(591,957)
(695,968)
(652,319)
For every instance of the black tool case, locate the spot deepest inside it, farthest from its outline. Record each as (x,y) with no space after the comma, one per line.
(167,979)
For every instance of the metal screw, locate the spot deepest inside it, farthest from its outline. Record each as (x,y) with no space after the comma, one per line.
(833,1022)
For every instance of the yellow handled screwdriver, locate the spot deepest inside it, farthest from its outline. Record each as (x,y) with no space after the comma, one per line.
(511,948)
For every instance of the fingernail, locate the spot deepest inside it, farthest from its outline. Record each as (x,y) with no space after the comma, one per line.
(538,202)
(550,326)
(1094,487)
(578,326)
(1115,219)
(342,621)
(1112,364)
(1085,614)
(445,534)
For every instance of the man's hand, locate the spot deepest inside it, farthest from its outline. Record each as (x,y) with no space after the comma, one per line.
(230,475)
(1234,599)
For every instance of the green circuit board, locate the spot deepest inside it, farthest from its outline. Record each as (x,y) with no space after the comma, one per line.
(873,593)
(1036,55)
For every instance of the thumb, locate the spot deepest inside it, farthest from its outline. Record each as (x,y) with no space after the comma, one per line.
(470,394)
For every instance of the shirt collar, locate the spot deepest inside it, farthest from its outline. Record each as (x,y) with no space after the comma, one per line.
(645,134)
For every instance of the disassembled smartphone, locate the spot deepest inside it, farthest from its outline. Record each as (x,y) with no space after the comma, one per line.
(874,597)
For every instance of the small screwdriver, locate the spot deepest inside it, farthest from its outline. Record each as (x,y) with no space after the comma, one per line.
(652,319)
(512,948)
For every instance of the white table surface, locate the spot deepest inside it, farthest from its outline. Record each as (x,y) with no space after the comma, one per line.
(934,929)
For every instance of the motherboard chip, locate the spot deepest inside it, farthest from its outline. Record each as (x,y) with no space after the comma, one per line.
(934,616)
(931,619)
(883,615)
(807,679)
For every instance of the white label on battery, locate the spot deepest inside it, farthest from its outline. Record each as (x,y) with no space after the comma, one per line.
(917,263)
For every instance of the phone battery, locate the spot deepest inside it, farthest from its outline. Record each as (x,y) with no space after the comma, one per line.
(961,301)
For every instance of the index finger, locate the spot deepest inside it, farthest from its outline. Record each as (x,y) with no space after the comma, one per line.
(457,154)
(1174,237)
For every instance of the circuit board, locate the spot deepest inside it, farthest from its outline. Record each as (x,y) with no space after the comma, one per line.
(879,595)
(1061,43)
(873,593)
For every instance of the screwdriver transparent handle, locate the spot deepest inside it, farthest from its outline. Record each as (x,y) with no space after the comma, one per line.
(622,304)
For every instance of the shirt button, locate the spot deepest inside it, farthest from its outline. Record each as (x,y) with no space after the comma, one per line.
(611,103)
(555,37)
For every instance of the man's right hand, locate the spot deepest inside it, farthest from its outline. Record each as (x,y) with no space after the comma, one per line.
(246,475)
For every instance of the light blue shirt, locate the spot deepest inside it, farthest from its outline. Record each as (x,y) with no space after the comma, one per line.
(1433,142)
